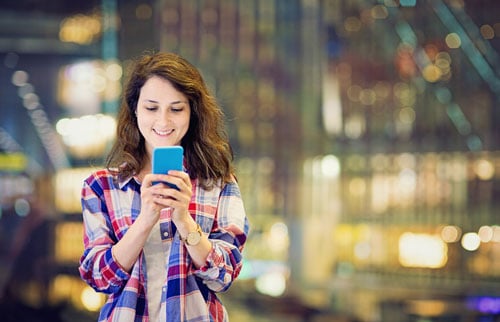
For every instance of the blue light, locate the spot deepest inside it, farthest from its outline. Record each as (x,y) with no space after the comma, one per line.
(458,118)
(443,95)
(408,3)
(484,304)
(405,32)
(474,143)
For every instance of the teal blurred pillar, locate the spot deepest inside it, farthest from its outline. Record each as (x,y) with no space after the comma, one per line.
(109,45)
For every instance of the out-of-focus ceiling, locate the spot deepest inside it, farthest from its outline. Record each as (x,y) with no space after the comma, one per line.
(32,26)
(57,7)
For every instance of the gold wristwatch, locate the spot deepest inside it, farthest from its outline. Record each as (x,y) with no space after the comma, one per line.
(193,238)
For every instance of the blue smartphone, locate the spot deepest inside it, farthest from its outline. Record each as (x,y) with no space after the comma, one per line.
(167,158)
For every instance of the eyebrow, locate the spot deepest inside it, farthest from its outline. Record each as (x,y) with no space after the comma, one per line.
(178,102)
(171,103)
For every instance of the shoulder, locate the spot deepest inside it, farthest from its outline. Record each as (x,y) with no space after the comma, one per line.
(100,175)
(231,188)
(103,179)
(228,187)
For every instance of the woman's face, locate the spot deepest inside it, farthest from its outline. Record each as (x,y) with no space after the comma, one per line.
(163,114)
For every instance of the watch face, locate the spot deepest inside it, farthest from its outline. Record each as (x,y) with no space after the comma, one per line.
(193,238)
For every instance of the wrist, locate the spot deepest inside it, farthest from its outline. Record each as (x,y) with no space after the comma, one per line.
(185,223)
(193,237)
(144,224)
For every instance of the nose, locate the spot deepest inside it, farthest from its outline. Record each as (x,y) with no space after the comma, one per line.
(164,117)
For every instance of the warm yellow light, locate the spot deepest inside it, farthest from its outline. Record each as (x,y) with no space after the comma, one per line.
(357,187)
(451,234)
(355,126)
(453,40)
(487,31)
(15,162)
(496,234)
(432,73)
(381,193)
(380,162)
(278,239)
(80,29)
(367,97)
(443,60)
(91,300)
(362,250)
(355,162)
(114,71)
(271,283)
(332,104)
(407,115)
(485,233)
(68,241)
(20,78)
(68,187)
(471,241)
(353,93)
(71,289)
(352,24)
(143,12)
(484,169)
(422,250)
(427,308)
(83,86)
(330,166)
(87,135)
(379,12)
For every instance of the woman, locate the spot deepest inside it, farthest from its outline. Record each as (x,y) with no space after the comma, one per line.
(136,241)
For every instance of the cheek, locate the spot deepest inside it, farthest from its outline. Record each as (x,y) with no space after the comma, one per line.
(141,125)
(186,126)
(188,119)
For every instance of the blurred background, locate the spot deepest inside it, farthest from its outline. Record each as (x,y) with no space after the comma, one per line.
(366,143)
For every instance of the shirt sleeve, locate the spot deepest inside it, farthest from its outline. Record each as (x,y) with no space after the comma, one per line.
(225,260)
(97,265)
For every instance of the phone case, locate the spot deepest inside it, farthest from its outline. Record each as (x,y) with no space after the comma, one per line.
(167,158)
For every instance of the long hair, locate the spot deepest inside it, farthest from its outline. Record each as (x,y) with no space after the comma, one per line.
(207,153)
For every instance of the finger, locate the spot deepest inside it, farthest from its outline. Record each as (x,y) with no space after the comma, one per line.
(170,182)
(180,174)
(177,173)
(150,180)
(163,202)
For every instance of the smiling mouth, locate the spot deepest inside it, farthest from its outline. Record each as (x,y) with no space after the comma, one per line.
(163,133)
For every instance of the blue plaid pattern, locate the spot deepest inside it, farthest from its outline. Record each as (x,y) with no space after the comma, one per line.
(109,208)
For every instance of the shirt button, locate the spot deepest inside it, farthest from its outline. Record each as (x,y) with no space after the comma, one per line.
(165,234)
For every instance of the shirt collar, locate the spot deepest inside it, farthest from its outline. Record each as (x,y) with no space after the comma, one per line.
(125,182)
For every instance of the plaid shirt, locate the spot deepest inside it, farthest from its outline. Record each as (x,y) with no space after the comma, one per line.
(109,208)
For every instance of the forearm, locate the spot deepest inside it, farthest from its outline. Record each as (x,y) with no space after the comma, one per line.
(127,250)
(199,252)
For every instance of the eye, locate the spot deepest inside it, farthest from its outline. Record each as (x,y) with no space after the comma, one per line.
(151,108)
(177,109)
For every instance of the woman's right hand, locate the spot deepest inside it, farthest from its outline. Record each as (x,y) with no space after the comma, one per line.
(127,250)
(150,190)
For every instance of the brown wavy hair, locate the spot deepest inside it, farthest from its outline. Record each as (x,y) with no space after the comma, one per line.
(207,153)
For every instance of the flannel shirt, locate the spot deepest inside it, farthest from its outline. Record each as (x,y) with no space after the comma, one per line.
(109,208)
